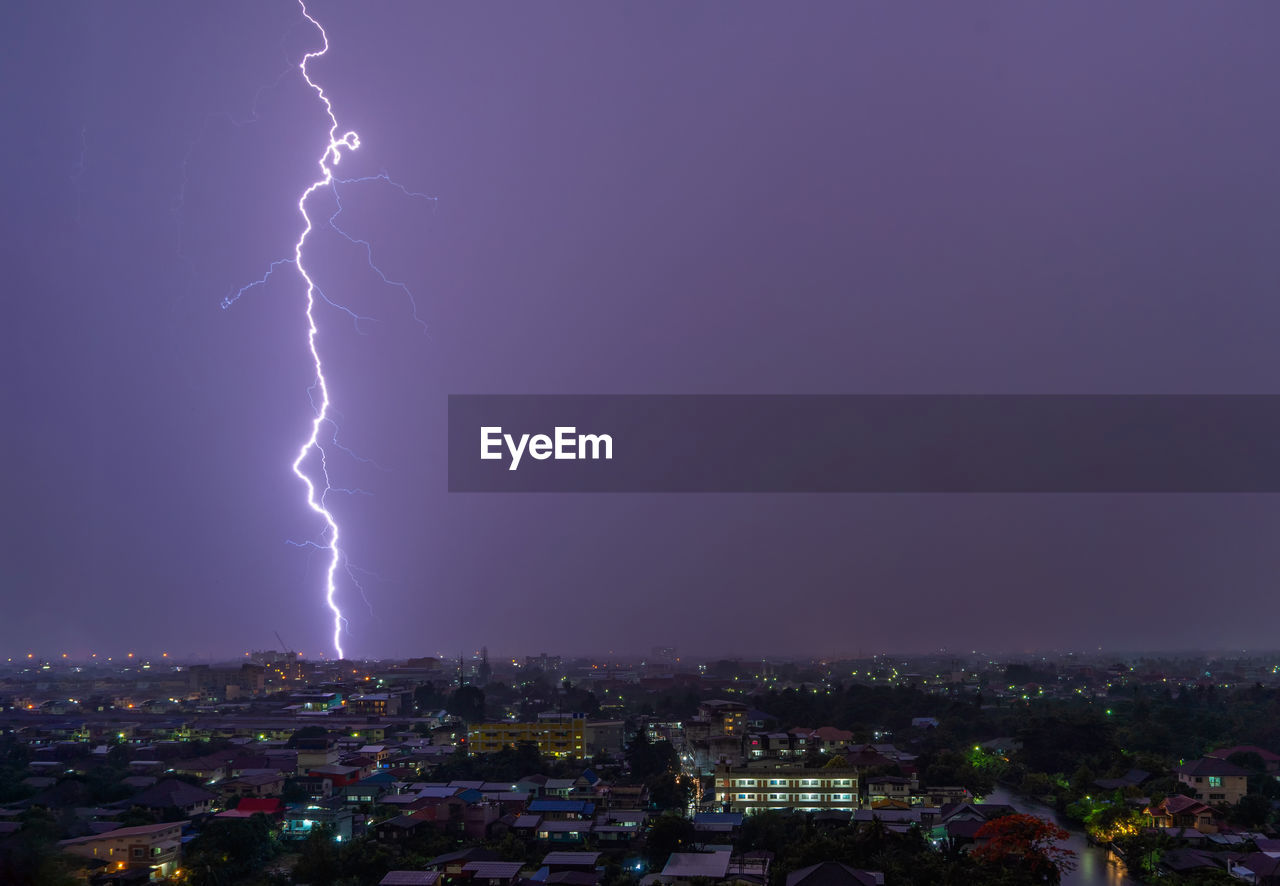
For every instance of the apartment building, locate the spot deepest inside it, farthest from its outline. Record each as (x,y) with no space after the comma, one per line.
(751,789)
(555,735)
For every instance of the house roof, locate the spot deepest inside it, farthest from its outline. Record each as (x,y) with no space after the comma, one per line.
(1180,805)
(142,830)
(1261,864)
(1266,755)
(581,806)
(172,793)
(410,878)
(1211,766)
(567,826)
(573,858)
(832,873)
(493,870)
(733,819)
(472,854)
(267,805)
(684,865)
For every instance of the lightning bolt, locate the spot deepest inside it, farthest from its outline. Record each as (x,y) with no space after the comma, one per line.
(331,157)
(319,486)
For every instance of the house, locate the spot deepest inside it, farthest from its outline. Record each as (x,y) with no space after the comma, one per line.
(265,785)
(1214,780)
(893,788)
(564,832)
(492,873)
(831,873)
(830,740)
(1259,868)
(450,864)
(298,823)
(1178,811)
(402,827)
(563,810)
(962,821)
(556,862)
(686,866)
(717,827)
(618,827)
(172,796)
(151,847)
(1130,779)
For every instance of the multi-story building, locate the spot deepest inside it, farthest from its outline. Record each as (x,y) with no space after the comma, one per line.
(376,704)
(150,847)
(227,682)
(1215,781)
(751,789)
(725,717)
(556,735)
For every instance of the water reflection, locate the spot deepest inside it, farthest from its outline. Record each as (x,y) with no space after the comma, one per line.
(1094,865)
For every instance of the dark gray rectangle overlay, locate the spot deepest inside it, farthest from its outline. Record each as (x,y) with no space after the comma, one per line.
(873,443)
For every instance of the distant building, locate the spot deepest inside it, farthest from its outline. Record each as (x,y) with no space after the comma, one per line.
(725,717)
(752,790)
(228,683)
(376,704)
(554,736)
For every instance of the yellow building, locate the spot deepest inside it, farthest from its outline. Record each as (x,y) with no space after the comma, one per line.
(555,736)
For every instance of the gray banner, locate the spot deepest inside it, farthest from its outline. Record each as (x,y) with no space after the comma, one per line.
(857,443)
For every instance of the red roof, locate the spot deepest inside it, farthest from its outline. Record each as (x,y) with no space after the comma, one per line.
(1224,753)
(265,805)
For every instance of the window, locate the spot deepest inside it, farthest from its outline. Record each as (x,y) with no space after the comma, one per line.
(778,782)
(842,798)
(843,783)
(139,852)
(810,798)
(1215,781)
(746,782)
(809,782)
(778,798)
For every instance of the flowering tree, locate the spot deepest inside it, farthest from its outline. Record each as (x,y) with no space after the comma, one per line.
(1027,843)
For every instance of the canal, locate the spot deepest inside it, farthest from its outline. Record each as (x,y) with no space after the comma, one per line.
(1094,865)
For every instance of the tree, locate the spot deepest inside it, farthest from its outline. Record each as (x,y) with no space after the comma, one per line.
(306,732)
(1027,844)
(467,702)
(229,850)
(669,834)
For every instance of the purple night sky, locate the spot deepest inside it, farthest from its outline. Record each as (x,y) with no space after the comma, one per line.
(650,197)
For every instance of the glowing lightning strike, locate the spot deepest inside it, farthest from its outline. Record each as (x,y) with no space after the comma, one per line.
(330,158)
(317,444)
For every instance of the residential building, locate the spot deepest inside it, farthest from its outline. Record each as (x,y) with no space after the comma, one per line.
(554,735)
(1182,812)
(748,790)
(1214,781)
(152,847)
